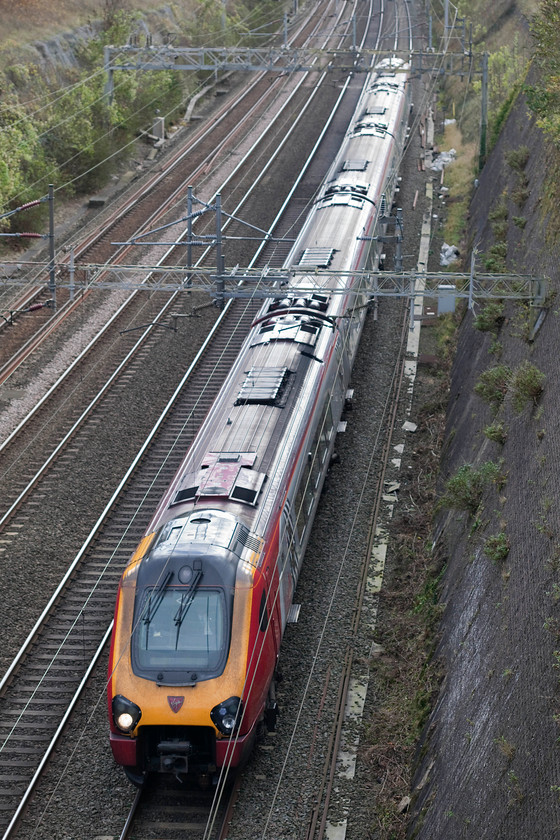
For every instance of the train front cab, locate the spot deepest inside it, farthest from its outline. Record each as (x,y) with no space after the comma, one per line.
(175,681)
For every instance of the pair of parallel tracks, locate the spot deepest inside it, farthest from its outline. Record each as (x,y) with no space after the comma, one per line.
(66,641)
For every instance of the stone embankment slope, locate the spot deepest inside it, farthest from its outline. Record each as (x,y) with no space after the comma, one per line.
(489,759)
(48,37)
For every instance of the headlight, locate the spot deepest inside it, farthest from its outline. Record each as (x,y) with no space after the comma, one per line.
(226,716)
(126,714)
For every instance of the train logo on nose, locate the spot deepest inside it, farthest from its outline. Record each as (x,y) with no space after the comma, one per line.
(175,703)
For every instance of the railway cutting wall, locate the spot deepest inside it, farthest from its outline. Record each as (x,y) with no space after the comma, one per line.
(488,764)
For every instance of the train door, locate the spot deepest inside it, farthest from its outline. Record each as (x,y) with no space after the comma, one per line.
(270,609)
(289,560)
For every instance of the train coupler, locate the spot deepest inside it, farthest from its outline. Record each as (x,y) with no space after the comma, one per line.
(174,756)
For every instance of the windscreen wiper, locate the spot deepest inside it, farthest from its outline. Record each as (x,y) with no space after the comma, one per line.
(154,602)
(186,600)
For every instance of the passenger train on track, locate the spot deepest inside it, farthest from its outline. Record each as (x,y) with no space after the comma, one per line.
(203,603)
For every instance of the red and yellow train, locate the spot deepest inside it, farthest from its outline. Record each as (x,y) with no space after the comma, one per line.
(203,603)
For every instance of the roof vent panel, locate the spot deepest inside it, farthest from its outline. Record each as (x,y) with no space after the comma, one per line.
(357,165)
(263,386)
(317,257)
(248,485)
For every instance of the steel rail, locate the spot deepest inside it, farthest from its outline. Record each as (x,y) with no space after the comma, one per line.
(49,750)
(362,586)
(323,793)
(3,683)
(97,526)
(52,324)
(162,260)
(220,783)
(327,782)
(69,435)
(131,814)
(316,824)
(200,135)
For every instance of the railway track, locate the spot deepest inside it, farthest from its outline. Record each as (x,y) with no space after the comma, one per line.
(135,307)
(305,778)
(171,811)
(319,815)
(81,622)
(74,622)
(127,315)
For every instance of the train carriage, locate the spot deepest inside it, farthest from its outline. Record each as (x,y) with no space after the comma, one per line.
(203,604)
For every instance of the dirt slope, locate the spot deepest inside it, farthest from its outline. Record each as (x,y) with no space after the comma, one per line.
(26,20)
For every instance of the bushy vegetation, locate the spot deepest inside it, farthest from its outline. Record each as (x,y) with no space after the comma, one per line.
(496,432)
(527,385)
(464,490)
(491,317)
(493,384)
(497,547)
(507,71)
(544,96)
(70,140)
(517,159)
(495,259)
(70,134)
(23,162)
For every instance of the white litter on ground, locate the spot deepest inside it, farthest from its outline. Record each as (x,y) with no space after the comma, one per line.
(443,159)
(448,254)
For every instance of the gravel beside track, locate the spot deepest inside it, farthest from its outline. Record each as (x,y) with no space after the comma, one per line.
(63,810)
(291,762)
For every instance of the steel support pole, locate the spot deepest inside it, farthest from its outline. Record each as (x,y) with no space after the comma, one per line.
(471,280)
(72,273)
(220,282)
(52,276)
(399,236)
(189,233)
(483,111)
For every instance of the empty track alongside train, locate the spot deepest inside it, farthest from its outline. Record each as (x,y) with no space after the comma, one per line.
(70,631)
(115,344)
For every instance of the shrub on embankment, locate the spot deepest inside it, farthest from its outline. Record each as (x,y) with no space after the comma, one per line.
(63,129)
